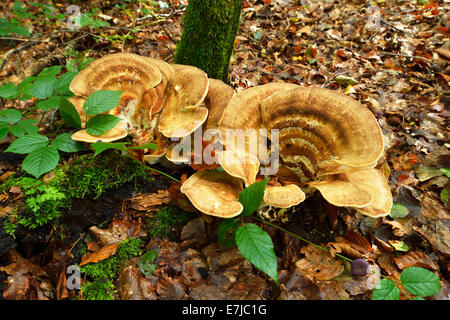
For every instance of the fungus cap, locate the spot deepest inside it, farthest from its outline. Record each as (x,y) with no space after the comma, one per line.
(116,133)
(182,113)
(243,110)
(218,96)
(322,132)
(214,193)
(283,196)
(240,165)
(365,189)
(119,71)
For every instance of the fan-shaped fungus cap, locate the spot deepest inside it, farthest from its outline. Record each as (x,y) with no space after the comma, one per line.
(182,113)
(364,189)
(214,193)
(120,71)
(283,196)
(116,133)
(243,110)
(240,165)
(219,93)
(322,132)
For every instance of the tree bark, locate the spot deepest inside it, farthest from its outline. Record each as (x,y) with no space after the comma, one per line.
(209,32)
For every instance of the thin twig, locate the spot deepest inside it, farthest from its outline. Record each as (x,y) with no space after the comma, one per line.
(281,76)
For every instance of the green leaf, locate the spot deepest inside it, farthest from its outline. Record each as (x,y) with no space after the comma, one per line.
(256,246)
(25,126)
(52,71)
(252,196)
(444,196)
(71,66)
(85,63)
(27,144)
(52,103)
(101,123)
(153,146)
(4,128)
(41,160)
(99,147)
(227,231)
(399,245)
(426,173)
(398,211)
(64,142)
(446,171)
(10,115)
(420,281)
(9,90)
(146,264)
(63,84)
(101,101)
(9,27)
(69,113)
(42,88)
(385,290)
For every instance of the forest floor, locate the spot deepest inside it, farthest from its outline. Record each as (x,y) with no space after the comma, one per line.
(392,56)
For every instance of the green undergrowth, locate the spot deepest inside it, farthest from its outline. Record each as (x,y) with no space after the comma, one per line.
(83,176)
(165,220)
(101,275)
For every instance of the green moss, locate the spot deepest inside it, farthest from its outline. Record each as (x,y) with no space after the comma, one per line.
(103,273)
(165,219)
(84,176)
(209,31)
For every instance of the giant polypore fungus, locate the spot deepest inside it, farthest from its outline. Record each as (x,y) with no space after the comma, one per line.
(327,140)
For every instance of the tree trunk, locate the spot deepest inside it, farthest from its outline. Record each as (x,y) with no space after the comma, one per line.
(208,37)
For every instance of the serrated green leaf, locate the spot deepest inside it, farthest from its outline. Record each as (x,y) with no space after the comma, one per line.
(256,246)
(27,144)
(99,147)
(52,71)
(101,101)
(152,146)
(8,91)
(42,88)
(101,123)
(227,231)
(252,196)
(398,211)
(63,84)
(69,113)
(385,290)
(10,115)
(40,161)
(420,281)
(64,142)
(51,103)
(24,126)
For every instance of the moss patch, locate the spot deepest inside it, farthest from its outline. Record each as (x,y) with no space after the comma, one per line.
(166,219)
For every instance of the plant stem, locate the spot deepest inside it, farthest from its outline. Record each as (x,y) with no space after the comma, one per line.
(165,174)
(298,237)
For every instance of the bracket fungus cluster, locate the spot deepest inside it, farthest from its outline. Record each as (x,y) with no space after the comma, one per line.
(326,141)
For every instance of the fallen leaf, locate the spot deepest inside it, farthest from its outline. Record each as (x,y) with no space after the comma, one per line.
(148,201)
(319,264)
(99,255)
(416,259)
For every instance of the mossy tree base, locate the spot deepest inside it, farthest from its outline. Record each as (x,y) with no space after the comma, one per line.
(209,32)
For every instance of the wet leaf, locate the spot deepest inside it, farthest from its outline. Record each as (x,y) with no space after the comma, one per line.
(420,281)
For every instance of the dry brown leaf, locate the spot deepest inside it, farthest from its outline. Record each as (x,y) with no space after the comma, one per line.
(398,228)
(349,248)
(117,231)
(132,286)
(99,255)
(319,264)
(170,289)
(415,259)
(148,201)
